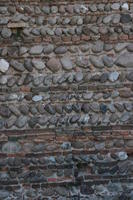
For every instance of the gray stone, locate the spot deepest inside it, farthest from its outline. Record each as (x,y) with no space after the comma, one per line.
(6,33)
(36,50)
(46,9)
(35,31)
(98,47)
(11,147)
(38,80)
(83,62)
(125,117)
(21,121)
(113,76)
(38,64)
(24,109)
(50,109)
(125,60)
(22,50)
(11,81)
(66,63)
(116,19)
(33,121)
(54,64)
(66,145)
(52,21)
(28,65)
(119,47)
(4,65)
(3,10)
(4,194)
(100,146)
(128,106)
(113,118)
(43,31)
(3,80)
(97,62)
(10,122)
(14,110)
(5,111)
(61,50)
(104,77)
(54,9)
(93,7)
(130,76)
(108,47)
(3,21)
(17,65)
(48,49)
(78,76)
(107,19)
(87,96)
(95,107)
(130,47)
(119,107)
(108,61)
(39,20)
(43,120)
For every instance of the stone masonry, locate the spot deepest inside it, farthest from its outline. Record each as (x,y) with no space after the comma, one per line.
(66,100)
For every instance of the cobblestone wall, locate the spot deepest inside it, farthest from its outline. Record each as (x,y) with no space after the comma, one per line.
(66,91)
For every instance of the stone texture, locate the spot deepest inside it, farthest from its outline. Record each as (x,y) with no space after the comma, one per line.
(66,63)
(66,94)
(11,147)
(4,65)
(54,64)
(36,50)
(125,60)
(38,64)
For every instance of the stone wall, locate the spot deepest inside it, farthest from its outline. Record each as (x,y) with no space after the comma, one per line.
(66,91)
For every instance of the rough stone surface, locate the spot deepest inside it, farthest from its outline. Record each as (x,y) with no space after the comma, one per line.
(4,65)
(66,63)
(125,60)
(66,91)
(54,64)
(38,64)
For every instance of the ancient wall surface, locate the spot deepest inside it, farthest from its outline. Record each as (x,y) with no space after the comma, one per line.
(66,91)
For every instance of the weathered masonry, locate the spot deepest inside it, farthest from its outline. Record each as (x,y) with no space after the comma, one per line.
(66,100)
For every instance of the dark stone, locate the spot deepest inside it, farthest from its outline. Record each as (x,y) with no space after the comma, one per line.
(125,18)
(74,119)
(130,76)
(5,111)
(68,108)
(33,121)
(24,109)
(86,190)
(28,65)
(104,77)
(76,107)
(50,109)
(103,108)
(85,108)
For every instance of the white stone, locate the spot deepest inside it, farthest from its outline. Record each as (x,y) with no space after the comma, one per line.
(115,6)
(125,6)
(4,65)
(37,98)
(113,76)
(122,155)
